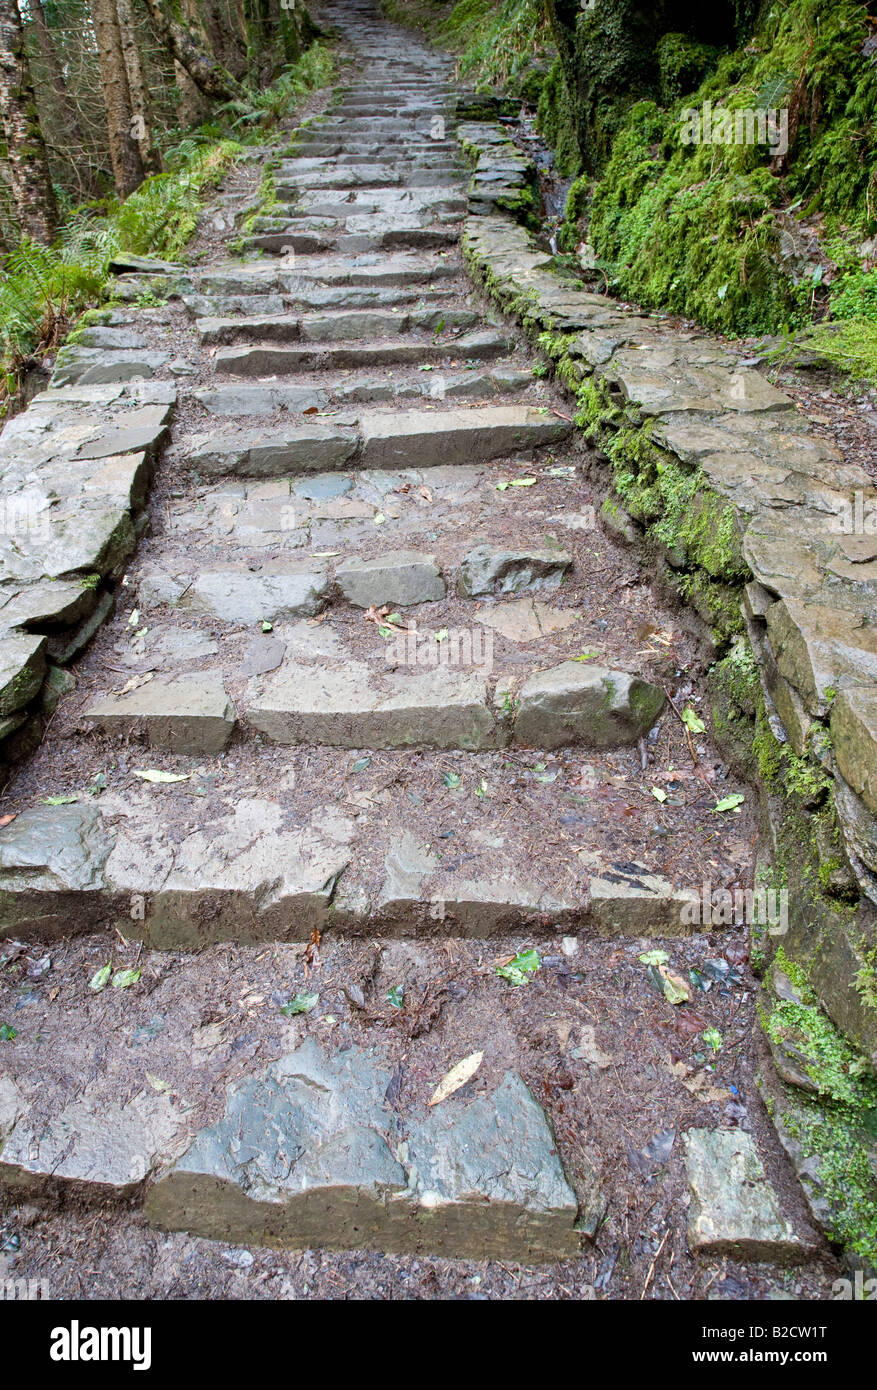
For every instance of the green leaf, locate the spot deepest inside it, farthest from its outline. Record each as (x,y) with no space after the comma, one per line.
(100,979)
(301,1004)
(520,968)
(360,765)
(523,482)
(692,721)
(394,996)
(713,1038)
(654,958)
(7,1034)
(659,795)
(124,979)
(453,780)
(379,518)
(731,803)
(266,626)
(59,800)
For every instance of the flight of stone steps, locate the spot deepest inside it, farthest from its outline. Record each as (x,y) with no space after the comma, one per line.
(376,684)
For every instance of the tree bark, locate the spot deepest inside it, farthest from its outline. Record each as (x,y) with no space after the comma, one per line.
(208,75)
(122,128)
(140,103)
(26,151)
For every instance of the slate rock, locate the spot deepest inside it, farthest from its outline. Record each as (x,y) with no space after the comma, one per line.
(577,703)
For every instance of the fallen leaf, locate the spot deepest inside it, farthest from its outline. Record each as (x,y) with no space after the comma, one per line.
(7,820)
(154,774)
(456,1077)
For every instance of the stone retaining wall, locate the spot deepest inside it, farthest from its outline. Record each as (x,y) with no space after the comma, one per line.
(75,468)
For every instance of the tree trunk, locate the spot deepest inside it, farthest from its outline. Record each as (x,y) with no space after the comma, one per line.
(192,106)
(26,153)
(140,103)
(208,75)
(128,172)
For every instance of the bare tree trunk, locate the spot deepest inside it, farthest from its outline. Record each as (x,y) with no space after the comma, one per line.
(192,106)
(26,152)
(122,128)
(140,103)
(208,75)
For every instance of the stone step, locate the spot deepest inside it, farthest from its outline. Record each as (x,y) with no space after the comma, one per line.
(266,360)
(304,1151)
(301,1157)
(215,857)
(336,327)
(384,440)
(267,400)
(353,241)
(366,272)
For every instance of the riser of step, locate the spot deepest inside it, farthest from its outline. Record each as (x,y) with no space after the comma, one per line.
(352,243)
(68,871)
(267,400)
(391,272)
(335,327)
(266,360)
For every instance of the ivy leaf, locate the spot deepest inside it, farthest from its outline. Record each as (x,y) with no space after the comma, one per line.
(519,969)
(100,979)
(124,979)
(731,803)
(301,1004)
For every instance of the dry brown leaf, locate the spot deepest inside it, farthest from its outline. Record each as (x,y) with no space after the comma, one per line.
(456,1077)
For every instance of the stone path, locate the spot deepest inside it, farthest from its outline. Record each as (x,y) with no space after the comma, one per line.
(375,688)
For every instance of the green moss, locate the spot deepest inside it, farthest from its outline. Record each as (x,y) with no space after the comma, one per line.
(866,977)
(555,121)
(692,229)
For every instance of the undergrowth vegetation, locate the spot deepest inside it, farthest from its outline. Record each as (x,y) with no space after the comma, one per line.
(43,289)
(727,234)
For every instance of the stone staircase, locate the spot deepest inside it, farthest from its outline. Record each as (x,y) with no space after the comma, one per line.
(380,707)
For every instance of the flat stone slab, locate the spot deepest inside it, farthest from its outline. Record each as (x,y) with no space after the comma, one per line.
(274,453)
(425,438)
(309,1154)
(577,703)
(733,1209)
(488,569)
(854,735)
(182,714)
(239,596)
(22,667)
(399,578)
(341,706)
(103,1151)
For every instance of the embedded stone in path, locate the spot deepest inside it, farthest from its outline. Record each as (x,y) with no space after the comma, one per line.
(455,436)
(269,453)
(309,1153)
(579,703)
(182,714)
(401,577)
(734,1209)
(487,570)
(22,667)
(341,707)
(240,596)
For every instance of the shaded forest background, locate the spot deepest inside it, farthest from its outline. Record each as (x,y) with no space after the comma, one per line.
(116,116)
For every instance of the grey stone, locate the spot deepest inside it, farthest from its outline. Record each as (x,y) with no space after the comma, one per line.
(260,400)
(242,597)
(486,570)
(340,706)
(62,650)
(181,714)
(406,864)
(734,1209)
(58,683)
(52,603)
(262,655)
(577,703)
(156,587)
(276,452)
(425,438)
(323,488)
(399,578)
(22,667)
(627,900)
(854,737)
(100,1148)
(54,847)
(305,1155)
